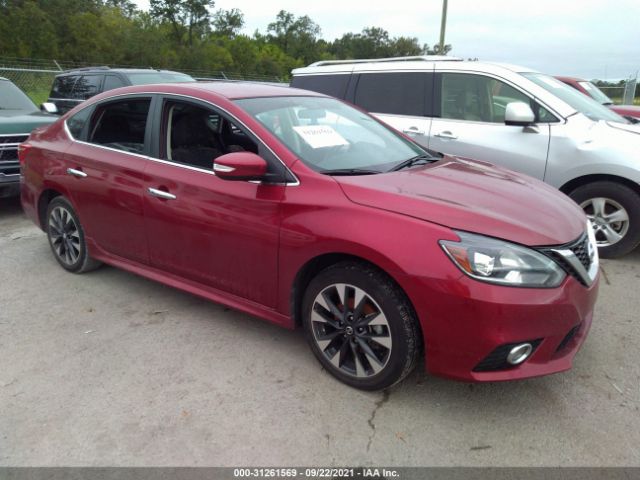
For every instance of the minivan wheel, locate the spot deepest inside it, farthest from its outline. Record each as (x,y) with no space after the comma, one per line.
(361,326)
(614,211)
(66,237)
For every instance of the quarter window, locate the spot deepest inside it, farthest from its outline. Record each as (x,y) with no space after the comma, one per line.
(396,93)
(111,82)
(121,125)
(76,123)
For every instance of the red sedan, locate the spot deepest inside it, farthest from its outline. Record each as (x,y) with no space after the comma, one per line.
(630,112)
(299,209)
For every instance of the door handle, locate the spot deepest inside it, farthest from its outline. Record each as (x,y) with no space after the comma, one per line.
(76,173)
(446,134)
(413,131)
(154,192)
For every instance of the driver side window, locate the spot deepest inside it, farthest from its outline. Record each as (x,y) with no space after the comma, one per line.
(195,136)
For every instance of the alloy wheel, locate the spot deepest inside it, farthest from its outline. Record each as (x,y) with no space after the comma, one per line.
(351,330)
(64,235)
(609,219)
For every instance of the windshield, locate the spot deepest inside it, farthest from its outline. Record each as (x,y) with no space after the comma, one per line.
(583,104)
(12,98)
(158,77)
(327,134)
(595,93)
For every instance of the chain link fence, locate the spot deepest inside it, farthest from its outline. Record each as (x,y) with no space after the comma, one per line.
(35,76)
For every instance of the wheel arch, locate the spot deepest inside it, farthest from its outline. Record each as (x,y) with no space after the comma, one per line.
(318,263)
(44,199)
(571,185)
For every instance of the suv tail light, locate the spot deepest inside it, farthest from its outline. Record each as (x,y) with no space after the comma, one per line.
(23,150)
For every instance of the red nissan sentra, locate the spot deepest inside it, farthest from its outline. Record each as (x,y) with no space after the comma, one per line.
(299,209)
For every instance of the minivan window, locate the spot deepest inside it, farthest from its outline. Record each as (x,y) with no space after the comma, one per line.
(402,93)
(120,125)
(477,98)
(87,86)
(332,85)
(575,99)
(145,78)
(111,82)
(327,134)
(62,86)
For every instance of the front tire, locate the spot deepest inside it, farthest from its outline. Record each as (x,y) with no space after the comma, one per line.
(361,326)
(614,210)
(66,237)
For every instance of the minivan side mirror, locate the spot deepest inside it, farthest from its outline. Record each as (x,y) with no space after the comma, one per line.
(518,114)
(49,107)
(240,166)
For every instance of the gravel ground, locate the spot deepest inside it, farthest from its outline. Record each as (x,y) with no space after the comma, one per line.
(108,368)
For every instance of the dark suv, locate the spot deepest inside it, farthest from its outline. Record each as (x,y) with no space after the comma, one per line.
(75,86)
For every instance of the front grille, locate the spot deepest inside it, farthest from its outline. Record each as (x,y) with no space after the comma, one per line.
(9,146)
(567,338)
(497,359)
(579,248)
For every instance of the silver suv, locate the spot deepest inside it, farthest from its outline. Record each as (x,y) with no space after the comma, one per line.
(507,115)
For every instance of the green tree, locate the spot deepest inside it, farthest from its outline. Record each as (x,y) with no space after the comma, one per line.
(297,37)
(228,22)
(188,18)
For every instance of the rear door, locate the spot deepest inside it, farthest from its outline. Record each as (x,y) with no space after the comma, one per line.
(219,233)
(469,122)
(400,99)
(105,166)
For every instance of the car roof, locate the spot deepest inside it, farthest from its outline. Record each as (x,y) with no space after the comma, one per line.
(231,90)
(570,79)
(425,64)
(77,71)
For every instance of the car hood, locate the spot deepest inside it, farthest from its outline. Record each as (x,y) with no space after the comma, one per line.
(16,121)
(475,197)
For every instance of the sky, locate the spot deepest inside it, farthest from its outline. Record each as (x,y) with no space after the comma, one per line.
(585,38)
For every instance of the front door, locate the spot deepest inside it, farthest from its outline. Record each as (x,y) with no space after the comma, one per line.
(219,233)
(469,122)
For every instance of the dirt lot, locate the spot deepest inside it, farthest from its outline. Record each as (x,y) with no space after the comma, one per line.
(108,368)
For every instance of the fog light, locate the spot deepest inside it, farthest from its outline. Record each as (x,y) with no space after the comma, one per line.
(519,353)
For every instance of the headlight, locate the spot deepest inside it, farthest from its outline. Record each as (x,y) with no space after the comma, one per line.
(496,261)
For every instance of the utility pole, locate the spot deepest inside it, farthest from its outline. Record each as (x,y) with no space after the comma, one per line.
(443,26)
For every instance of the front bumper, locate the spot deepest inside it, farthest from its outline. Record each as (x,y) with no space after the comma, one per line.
(464,321)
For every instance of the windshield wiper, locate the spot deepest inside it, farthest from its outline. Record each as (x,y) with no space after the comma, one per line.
(350,171)
(413,161)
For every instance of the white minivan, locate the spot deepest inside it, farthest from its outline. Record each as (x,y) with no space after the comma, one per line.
(507,115)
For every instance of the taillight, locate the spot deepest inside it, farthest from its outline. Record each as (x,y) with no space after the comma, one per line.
(23,150)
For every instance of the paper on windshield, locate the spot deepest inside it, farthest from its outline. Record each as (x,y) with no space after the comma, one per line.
(320,136)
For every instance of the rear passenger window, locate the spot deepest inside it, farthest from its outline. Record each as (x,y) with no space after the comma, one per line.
(76,123)
(120,125)
(87,86)
(333,85)
(62,86)
(399,93)
(111,82)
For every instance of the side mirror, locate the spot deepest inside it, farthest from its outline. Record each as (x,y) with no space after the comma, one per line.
(49,107)
(518,114)
(240,166)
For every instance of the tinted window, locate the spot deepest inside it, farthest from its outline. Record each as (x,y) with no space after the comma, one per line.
(76,123)
(120,125)
(195,136)
(334,85)
(62,86)
(111,82)
(401,93)
(87,86)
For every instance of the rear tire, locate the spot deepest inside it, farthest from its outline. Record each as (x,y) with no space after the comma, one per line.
(614,209)
(361,326)
(66,237)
